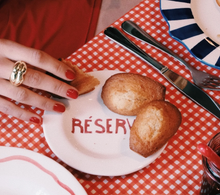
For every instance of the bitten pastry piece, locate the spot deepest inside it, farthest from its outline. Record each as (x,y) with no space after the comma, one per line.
(126,93)
(154,125)
(83,82)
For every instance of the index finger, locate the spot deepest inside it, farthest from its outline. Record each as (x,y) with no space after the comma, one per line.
(15,51)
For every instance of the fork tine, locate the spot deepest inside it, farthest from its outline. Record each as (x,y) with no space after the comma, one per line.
(210,85)
(215,80)
(210,81)
(213,77)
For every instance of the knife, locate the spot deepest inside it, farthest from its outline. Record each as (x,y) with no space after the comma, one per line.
(182,84)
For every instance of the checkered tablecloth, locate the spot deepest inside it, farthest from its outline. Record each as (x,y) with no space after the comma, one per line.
(178,170)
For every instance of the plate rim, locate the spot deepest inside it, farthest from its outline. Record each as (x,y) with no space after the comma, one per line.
(46,162)
(184,44)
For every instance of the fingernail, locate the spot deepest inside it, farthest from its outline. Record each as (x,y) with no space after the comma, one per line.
(35,120)
(59,108)
(72,93)
(70,74)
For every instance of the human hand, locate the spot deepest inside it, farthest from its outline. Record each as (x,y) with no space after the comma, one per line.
(37,63)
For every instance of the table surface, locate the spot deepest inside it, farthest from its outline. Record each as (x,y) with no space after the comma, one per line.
(178,170)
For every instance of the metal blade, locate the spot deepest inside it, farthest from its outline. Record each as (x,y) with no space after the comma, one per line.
(193,92)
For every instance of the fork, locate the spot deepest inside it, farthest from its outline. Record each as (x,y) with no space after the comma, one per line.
(200,78)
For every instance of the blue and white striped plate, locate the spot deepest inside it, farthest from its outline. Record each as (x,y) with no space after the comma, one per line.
(199,32)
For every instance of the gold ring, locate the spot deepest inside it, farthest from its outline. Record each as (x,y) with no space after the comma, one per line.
(18,72)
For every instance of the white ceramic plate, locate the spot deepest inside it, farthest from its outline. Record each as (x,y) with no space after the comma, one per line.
(195,23)
(99,144)
(24,172)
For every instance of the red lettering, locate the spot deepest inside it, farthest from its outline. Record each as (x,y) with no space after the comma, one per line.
(108,125)
(120,123)
(102,126)
(129,124)
(76,123)
(87,125)
(99,125)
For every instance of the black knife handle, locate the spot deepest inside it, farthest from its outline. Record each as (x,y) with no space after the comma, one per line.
(117,36)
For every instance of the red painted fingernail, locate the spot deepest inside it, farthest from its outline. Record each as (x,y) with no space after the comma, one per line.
(59,108)
(72,93)
(70,74)
(35,120)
